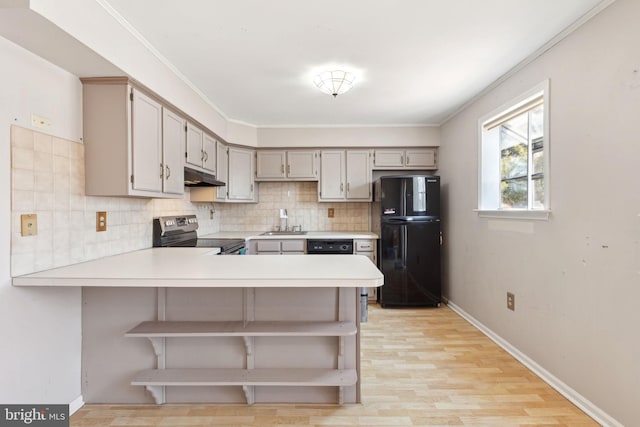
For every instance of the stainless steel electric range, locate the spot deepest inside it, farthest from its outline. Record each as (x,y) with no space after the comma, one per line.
(181,231)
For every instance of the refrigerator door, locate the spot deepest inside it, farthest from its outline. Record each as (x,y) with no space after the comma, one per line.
(410,196)
(410,262)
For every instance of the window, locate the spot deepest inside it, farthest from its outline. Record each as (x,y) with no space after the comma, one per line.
(514,157)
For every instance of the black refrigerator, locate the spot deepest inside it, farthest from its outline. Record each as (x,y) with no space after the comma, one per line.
(408,208)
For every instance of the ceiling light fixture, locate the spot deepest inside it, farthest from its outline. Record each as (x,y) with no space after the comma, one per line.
(334,82)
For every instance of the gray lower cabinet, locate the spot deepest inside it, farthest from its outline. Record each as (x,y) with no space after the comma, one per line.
(277,247)
(367,248)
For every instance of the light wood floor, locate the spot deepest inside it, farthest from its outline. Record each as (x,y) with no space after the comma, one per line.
(419,367)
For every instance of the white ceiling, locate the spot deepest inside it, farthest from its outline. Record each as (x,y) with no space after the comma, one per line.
(417,61)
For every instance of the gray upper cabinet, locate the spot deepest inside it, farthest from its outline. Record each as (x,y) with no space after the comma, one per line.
(173,138)
(200,149)
(345,175)
(270,165)
(129,149)
(406,158)
(222,165)
(302,165)
(146,143)
(292,165)
(240,183)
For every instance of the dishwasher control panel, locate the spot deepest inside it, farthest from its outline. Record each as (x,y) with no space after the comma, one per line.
(323,246)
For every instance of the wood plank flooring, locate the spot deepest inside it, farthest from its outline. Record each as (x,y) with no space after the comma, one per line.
(420,367)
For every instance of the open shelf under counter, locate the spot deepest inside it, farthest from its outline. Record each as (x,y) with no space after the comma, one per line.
(156,379)
(241,329)
(231,376)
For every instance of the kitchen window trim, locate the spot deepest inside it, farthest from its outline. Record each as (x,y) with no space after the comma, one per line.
(513,105)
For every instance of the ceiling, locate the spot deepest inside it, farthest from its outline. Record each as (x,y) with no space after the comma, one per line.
(417,61)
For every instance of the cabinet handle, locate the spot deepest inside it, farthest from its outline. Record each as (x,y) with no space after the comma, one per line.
(288,169)
(161,171)
(347,187)
(168,171)
(206,156)
(281,168)
(202,155)
(252,188)
(341,187)
(402,160)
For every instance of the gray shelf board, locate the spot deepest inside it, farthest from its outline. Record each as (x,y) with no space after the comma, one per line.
(246,377)
(257,328)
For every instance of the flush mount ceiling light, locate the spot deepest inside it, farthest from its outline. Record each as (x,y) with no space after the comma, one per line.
(334,82)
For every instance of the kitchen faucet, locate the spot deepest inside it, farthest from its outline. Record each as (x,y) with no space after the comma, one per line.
(283,215)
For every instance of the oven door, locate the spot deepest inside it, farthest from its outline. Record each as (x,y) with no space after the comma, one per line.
(238,250)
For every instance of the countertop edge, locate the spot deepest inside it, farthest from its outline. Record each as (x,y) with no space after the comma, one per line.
(192,283)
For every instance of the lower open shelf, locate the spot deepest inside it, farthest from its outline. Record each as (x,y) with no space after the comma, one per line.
(156,379)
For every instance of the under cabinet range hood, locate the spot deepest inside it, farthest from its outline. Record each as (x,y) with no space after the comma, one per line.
(196,178)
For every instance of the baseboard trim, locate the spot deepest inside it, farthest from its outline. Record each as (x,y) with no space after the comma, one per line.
(76,404)
(573,396)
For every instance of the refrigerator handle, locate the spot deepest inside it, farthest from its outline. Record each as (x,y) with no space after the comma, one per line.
(440,238)
(405,237)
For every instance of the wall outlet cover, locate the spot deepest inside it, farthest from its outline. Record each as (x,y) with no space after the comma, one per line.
(101,221)
(28,224)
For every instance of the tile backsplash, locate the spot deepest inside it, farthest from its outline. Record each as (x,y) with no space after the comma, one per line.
(47,179)
(300,199)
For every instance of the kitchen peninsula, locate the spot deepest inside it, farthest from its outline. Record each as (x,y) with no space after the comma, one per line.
(221,328)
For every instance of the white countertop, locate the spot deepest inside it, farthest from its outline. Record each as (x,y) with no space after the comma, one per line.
(249,235)
(201,267)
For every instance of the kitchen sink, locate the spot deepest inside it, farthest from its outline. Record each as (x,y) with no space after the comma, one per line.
(283,233)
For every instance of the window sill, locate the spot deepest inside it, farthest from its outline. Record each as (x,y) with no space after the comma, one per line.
(538,215)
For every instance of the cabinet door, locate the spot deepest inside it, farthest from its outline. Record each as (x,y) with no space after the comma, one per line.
(384,159)
(302,164)
(358,175)
(147,167)
(194,145)
(271,247)
(293,246)
(241,166)
(209,153)
(173,140)
(421,158)
(222,166)
(270,165)
(332,175)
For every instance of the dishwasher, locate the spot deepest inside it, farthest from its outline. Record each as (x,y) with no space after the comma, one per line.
(339,247)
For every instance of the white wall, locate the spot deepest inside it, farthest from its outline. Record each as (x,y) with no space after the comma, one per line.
(40,328)
(576,277)
(410,136)
(106,36)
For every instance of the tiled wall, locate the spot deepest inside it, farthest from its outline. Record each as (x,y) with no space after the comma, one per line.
(48,180)
(301,201)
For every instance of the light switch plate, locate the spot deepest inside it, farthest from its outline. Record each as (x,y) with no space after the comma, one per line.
(330,213)
(101,221)
(29,224)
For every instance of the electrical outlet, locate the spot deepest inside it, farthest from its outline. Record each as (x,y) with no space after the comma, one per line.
(101,221)
(29,224)
(511,301)
(40,122)
(330,213)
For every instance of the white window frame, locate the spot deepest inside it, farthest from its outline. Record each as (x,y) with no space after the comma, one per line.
(488,161)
